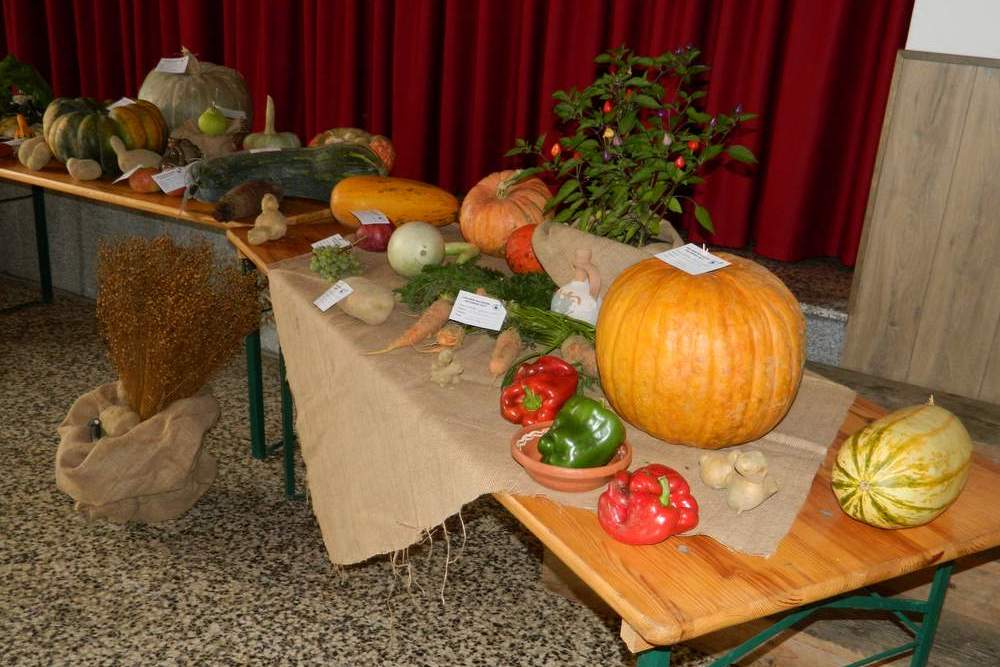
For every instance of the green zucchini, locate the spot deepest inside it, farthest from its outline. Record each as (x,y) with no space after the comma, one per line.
(299,172)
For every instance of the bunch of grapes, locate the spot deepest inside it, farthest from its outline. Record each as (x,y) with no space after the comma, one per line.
(334,263)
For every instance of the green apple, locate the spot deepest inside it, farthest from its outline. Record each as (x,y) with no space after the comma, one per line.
(212,122)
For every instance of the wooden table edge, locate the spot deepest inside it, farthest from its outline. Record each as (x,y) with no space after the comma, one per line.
(654,633)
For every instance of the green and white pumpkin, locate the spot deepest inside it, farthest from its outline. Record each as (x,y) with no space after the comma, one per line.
(185,96)
(905,469)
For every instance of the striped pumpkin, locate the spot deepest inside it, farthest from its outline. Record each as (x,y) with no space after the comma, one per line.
(141,125)
(708,361)
(904,469)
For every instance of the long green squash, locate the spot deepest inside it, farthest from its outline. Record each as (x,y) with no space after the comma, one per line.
(904,469)
(299,172)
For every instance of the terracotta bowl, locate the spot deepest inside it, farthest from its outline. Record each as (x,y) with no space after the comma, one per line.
(524,449)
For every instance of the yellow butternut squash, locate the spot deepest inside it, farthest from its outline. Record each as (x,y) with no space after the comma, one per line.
(401,200)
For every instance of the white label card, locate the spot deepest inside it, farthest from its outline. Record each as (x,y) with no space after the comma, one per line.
(14,143)
(123,102)
(172,179)
(329,298)
(173,65)
(371,217)
(692,259)
(335,241)
(269,149)
(232,113)
(479,311)
(128,173)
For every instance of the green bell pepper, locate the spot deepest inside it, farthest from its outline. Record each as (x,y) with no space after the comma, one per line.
(585,434)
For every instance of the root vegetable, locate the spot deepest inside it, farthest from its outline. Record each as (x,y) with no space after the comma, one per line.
(244,200)
(751,464)
(270,225)
(717,468)
(142,181)
(746,494)
(428,324)
(369,302)
(578,350)
(34,153)
(450,335)
(446,370)
(506,351)
(83,170)
(26,147)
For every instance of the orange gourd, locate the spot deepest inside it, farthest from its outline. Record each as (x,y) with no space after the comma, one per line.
(402,200)
(495,207)
(707,361)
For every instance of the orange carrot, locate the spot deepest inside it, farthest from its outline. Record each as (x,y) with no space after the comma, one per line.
(428,324)
(505,352)
(23,129)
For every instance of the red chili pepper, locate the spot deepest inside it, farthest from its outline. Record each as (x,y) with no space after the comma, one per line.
(693,145)
(647,506)
(607,108)
(538,391)
(629,92)
(680,162)
(555,150)
(576,155)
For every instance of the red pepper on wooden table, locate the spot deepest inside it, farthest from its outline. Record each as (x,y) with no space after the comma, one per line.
(538,390)
(647,506)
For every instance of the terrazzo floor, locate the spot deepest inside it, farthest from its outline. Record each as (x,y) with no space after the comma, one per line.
(243,578)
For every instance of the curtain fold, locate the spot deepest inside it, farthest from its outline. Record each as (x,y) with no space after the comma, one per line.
(455,82)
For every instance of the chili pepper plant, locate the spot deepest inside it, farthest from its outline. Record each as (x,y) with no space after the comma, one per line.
(635,143)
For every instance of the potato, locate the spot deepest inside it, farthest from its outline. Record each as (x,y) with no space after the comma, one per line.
(40,156)
(25,150)
(371,303)
(83,170)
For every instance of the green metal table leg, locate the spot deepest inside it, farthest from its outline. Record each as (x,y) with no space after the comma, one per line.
(925,637)
(654,657)
(42,242)
(287,431)
(255,387)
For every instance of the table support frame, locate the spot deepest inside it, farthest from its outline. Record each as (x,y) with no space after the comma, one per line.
(37,197)
(923,632)
(259,448)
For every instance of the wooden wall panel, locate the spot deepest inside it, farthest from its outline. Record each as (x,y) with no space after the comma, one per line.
(962,305)
(919,149)
(925,303)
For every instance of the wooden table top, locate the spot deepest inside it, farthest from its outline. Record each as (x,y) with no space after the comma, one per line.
(297,241)
(689,586)
(54,177)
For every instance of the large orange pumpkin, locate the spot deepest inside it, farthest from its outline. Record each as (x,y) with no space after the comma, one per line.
(495,207)
(708,361)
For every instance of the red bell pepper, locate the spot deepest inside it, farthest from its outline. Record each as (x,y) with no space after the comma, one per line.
(538,390)
(647,506)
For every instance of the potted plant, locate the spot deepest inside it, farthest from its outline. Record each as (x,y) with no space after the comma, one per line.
(635,144)
(133,450)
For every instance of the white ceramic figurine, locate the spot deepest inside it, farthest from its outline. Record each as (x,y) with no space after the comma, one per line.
(579,297)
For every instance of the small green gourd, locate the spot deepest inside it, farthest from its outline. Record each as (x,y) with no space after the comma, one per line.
(269,138)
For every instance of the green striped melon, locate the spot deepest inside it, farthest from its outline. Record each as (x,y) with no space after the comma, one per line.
(904,469)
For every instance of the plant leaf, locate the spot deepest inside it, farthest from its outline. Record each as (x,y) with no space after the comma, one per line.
(703,218)
(742,154)
(674,205)
(646,102)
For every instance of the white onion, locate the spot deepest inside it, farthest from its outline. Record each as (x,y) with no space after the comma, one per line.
(413,246)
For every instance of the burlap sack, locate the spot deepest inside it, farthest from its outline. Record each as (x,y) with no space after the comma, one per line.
(155,472)
(556,244)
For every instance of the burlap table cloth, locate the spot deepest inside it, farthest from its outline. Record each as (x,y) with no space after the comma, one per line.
(389,454)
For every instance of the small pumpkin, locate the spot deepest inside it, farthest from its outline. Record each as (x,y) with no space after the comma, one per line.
(378,144)
(402,200)
(904,469)
(519,252)
(182,97)
(81,128)
(708,361)
(496,206)
(269,138)
(141,126)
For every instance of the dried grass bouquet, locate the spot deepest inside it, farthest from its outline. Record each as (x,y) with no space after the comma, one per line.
(170,317)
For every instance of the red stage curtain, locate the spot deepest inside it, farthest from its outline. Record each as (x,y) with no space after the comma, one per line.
(455,82)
